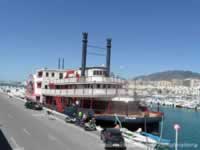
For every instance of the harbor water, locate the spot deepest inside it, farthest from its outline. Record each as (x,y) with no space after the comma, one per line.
(189,120)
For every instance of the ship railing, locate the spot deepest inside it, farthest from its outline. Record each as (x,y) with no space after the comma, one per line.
(123,112)
(85,92)
(87,80)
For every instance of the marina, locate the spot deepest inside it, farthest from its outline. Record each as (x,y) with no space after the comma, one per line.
(192,103)
(145,122)
(99,75)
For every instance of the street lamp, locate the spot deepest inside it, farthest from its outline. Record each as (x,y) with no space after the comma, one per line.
(176,128)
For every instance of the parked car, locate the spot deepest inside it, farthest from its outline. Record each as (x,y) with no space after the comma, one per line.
(33,105)
(113,138)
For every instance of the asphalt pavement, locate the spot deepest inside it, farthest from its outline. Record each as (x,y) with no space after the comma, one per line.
(27,129)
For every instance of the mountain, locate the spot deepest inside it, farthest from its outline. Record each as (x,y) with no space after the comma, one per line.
(169,75)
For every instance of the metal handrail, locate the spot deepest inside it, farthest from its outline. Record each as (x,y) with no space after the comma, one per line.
(85,92)
(87,80)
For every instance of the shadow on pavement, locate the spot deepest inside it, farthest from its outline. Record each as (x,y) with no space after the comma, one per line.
(4,145)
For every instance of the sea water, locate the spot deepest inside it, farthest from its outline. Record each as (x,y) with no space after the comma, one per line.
(189,133)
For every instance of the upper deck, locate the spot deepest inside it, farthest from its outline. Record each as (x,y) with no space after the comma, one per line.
(86,80)
(92,93)
(93,75)
(70,83)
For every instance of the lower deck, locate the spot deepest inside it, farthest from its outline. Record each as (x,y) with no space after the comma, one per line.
(132,109)
(131,114)
(99,106)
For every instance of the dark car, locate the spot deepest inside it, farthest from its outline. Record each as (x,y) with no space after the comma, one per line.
(33,105)
(113,138)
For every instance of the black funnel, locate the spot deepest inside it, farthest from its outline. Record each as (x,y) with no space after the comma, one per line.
(108,56)
(84,53)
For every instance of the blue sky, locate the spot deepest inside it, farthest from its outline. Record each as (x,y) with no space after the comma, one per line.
(148,35)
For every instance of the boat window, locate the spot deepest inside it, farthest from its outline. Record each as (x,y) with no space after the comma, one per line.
(98,86)
(40,74)
(96,72)
(39,85)
(60,75)
(52,74)
(37,98)
(87,86)
(46,87)
(47,74)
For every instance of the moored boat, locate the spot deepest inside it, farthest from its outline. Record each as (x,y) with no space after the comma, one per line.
(91,88)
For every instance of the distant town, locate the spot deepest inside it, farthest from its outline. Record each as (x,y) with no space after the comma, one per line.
(175,83)
(175,87)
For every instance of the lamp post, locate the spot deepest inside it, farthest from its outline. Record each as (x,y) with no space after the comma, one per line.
(176,128)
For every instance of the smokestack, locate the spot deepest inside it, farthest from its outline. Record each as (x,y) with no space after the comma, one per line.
(63,63)
(59,63)
(108,55)
(84,53)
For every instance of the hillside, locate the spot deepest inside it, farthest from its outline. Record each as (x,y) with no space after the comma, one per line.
(169,75)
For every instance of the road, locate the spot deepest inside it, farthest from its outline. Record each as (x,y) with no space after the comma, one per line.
(32,130)
(26,129)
